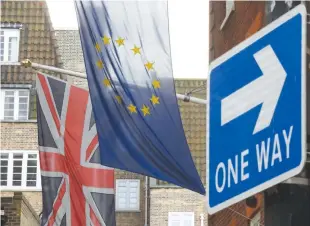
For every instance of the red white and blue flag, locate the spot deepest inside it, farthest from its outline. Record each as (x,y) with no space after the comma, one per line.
(77,189)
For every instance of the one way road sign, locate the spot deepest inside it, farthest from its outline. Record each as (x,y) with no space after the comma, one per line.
(256,104)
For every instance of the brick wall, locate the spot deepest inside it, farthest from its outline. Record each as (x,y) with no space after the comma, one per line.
(18,210)
(165,200)
(19,136)
(11,204)
(247,18)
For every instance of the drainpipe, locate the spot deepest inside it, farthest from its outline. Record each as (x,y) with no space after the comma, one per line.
(201,219)
(146,205)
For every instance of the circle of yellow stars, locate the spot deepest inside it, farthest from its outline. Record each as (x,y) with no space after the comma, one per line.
(148,65)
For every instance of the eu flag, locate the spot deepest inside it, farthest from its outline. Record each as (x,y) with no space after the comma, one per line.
(128,64)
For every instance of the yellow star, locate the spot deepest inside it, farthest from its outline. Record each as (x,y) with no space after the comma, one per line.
(106,40)
(132,108)
(97,46)
(99,64)
(136,50)
(118,98)
(146,110)
(120,41)
(106,82)
(149,65)
(154,99)
(156,84)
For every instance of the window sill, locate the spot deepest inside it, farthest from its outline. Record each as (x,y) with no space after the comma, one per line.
(10,63)
(20,189)
(19,121)
(128,211)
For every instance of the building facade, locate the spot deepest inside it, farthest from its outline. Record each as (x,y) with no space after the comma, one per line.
(26,32)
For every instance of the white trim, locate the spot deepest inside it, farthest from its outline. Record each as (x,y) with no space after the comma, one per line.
(16,103)
(23,186)
(10,33)
(181,218)
(297,10)
(127,208)
(229,9)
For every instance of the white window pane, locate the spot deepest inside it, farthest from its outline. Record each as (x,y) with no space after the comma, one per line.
(133,189)
(23,100)
(17,155)
(9,100)
(17,183)
(31,177)
(122,206)
(12,51)
(17,163)
(133,206)
(9,92)
(122,195)
(22,118)
(133,200)
(22,114)
(4,163)
(17,170)
(32,156)
(22,107)
(134,184)
(122,200)
(4,156)
(23,93)
(122,189)
(121,184)
(8,113)
(31,169)
(9,106)
(133,195)
(17,176)
(31,183)
(32,163)
(4,176)
(4,169)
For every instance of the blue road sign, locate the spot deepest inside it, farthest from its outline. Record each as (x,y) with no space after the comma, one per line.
(256,124)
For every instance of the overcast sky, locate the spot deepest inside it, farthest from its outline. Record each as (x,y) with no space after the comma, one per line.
(188,25)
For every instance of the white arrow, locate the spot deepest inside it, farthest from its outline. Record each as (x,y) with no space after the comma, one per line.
(264,90)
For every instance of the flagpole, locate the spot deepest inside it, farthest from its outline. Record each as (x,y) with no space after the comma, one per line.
(27,63)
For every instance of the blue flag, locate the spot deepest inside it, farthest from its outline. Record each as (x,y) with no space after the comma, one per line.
(128,64)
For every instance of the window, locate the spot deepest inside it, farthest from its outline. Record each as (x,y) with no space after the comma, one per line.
(9,45)
(230,6)
(20,170)
(256,220)
(181,219)
(14,104)
(128,195)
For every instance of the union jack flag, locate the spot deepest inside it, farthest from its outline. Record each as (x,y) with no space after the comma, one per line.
(77,190)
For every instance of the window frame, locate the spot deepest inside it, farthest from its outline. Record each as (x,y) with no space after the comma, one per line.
(16,103)
(10,33)
(180,215)
(228,11)
(22,187)
(127,208)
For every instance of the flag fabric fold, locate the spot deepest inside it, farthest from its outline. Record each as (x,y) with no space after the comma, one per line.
(128,64)
(76,188)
